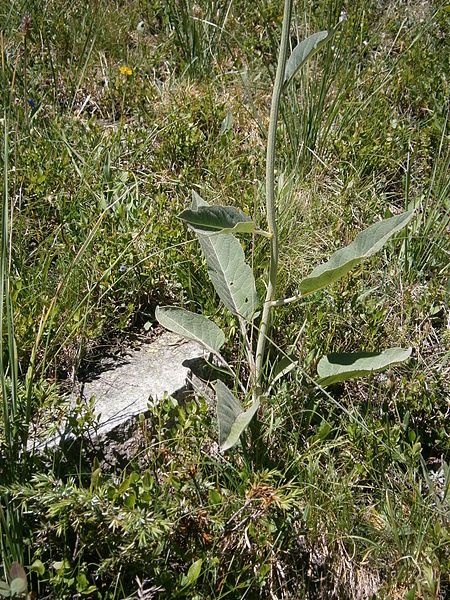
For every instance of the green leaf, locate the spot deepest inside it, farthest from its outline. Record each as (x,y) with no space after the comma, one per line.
(95,478)
(130,500)
(192,326)
(305,50)
(366,243)
(197,201)
(18,586)
(231,276)
(322,433)
(193,574)
(217,219)
(61,565)
(342,366)
(5,589)
(124,486)
(38,567)
(232,418)
(18,579)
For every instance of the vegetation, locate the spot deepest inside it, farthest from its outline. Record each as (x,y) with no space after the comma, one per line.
(112,113)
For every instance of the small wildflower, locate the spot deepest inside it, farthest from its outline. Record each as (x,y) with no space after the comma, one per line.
(122,269)
(31,103)
(141,27)
(124,70)
(342,16)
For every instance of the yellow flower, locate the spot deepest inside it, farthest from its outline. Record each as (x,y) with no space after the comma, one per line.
(124,70)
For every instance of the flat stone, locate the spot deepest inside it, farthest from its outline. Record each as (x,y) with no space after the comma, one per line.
(126,387)
(144,375)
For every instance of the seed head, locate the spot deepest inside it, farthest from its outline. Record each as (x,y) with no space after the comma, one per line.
(25,24)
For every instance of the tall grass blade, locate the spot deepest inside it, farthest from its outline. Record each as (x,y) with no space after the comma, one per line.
(15,425)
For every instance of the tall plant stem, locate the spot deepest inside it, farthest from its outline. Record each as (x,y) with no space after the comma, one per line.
(6,409)
(270,193)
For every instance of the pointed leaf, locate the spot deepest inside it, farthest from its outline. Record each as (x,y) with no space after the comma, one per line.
(217,219)
(232,418)
(231,276)
(349,365)
(197,201)
(192,326)
(193,573)
(366,243)
(303,51)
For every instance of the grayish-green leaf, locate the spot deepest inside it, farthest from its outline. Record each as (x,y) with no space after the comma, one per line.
(5,590)
(366,243)
(18,586)
(232,277)
(217,219)
(232,418)
(304,50)
(197,201)
(16,570)
(342,366)
(192,326)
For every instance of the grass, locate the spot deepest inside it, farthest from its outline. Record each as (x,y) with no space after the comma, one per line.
(350,498)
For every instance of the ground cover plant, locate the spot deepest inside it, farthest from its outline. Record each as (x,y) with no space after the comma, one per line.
(111,114)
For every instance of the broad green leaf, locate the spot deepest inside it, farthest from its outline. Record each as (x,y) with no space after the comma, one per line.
(192,326)
(305,50)
(231,276)
(322,432)
(232,418)
(124,486)
(365,244)
(342,366)
(5,590)
(95,477)
(217,219)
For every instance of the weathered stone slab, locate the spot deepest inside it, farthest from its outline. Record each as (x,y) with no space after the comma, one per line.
(145,374)
(124,389)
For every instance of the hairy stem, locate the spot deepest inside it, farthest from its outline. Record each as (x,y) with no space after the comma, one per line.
(270,194)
